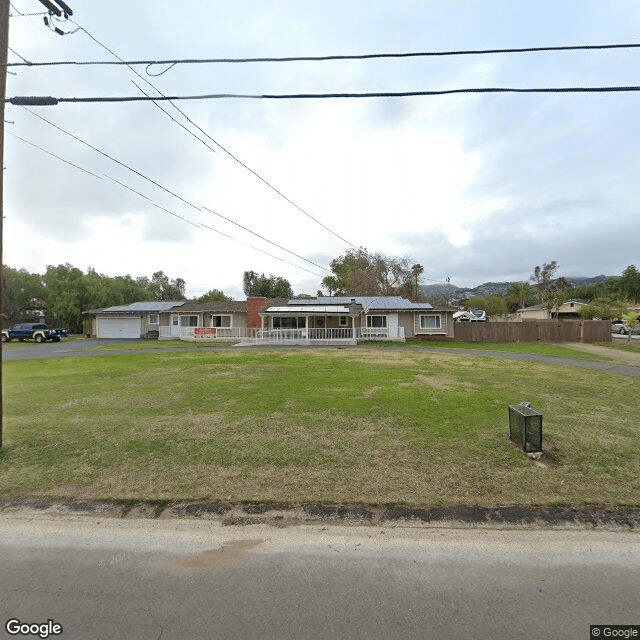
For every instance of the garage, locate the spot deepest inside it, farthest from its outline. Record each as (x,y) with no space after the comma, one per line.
(129,327)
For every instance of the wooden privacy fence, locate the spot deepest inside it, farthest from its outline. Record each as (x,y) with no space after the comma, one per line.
(534,331)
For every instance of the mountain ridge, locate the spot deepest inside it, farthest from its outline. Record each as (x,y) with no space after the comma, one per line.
(449,290)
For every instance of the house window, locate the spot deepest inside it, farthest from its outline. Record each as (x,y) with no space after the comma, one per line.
(287,322)
(343,321)
(221,321)
(430,322)
(188,321)
(154,318)
(377,322)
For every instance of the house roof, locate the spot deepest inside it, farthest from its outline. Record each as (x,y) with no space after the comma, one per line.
(222,306)
(538,307)
(309,309)
(145,306)
(213,306)
(379,303)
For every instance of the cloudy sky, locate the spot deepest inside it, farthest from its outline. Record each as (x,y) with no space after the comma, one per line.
(474,187)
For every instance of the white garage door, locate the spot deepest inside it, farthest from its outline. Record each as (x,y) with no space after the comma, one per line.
(118,328)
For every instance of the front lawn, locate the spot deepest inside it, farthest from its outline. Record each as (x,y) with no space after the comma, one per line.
(371,426)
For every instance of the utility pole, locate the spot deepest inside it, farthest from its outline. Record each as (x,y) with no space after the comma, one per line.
(4,47)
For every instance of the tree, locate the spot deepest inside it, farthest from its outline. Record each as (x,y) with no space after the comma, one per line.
(213,295)
(543,276)
(631,319)
(22,295)
(164,289)
(553,300)
(66,295)
(494,305)
(271,286)
(587,292)
(519,293)
(605,308)
(629,283)
(416,271)
(361,273)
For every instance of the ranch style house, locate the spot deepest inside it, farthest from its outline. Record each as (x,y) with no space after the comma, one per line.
(306,321)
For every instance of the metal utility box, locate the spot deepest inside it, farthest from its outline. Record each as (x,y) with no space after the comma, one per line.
(525,427)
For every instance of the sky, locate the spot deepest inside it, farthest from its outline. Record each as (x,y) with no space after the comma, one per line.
(472,187)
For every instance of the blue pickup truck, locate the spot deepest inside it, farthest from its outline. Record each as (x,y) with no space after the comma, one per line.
(33,331)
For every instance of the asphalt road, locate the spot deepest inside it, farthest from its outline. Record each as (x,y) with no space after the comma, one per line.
(165,579)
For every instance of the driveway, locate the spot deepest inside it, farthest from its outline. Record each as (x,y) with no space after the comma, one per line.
(29,351)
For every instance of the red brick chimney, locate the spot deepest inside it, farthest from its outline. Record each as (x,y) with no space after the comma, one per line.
(254,307)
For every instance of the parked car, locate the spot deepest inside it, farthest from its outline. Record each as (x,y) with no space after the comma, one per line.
(33,331)
(475,315)
(619,327)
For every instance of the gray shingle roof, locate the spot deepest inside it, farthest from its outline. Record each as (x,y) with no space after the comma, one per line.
(382,303)
(146,306)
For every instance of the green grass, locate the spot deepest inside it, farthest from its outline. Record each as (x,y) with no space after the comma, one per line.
(535,348)
(158,344)
(632,346)
(326,425)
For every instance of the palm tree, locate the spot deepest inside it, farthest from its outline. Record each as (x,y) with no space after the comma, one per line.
(522,291)
(416,271)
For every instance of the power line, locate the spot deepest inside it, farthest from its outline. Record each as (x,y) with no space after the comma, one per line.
(110,157)
(19,56)
(176,121)
(175,215)
(51,101)
(336,57)
(275,244)
(175,195)
(33,144)
(213,140)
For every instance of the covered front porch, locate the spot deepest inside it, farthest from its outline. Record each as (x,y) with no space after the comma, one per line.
(328,325)
(308,325)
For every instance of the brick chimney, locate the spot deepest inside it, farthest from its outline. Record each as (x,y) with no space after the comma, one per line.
(254,307)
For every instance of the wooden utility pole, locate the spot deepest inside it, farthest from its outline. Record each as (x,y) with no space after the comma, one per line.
(4,47)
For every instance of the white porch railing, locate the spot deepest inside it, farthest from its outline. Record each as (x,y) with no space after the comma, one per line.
(381,333)
(207,334)
(305,336)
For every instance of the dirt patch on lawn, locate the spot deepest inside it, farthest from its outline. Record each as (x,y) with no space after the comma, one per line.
(622,357)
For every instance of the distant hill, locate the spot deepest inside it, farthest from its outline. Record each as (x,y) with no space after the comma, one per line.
(453,292)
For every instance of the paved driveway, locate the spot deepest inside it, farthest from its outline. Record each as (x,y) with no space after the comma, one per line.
(29,351)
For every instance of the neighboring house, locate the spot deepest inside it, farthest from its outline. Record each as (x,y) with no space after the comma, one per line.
(297,321)
(569,310)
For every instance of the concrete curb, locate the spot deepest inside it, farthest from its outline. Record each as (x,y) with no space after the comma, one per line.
(286,514)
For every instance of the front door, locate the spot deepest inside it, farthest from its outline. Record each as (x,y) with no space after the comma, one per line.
(175,325)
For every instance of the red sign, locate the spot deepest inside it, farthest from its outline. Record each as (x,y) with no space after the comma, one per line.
(204,331)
